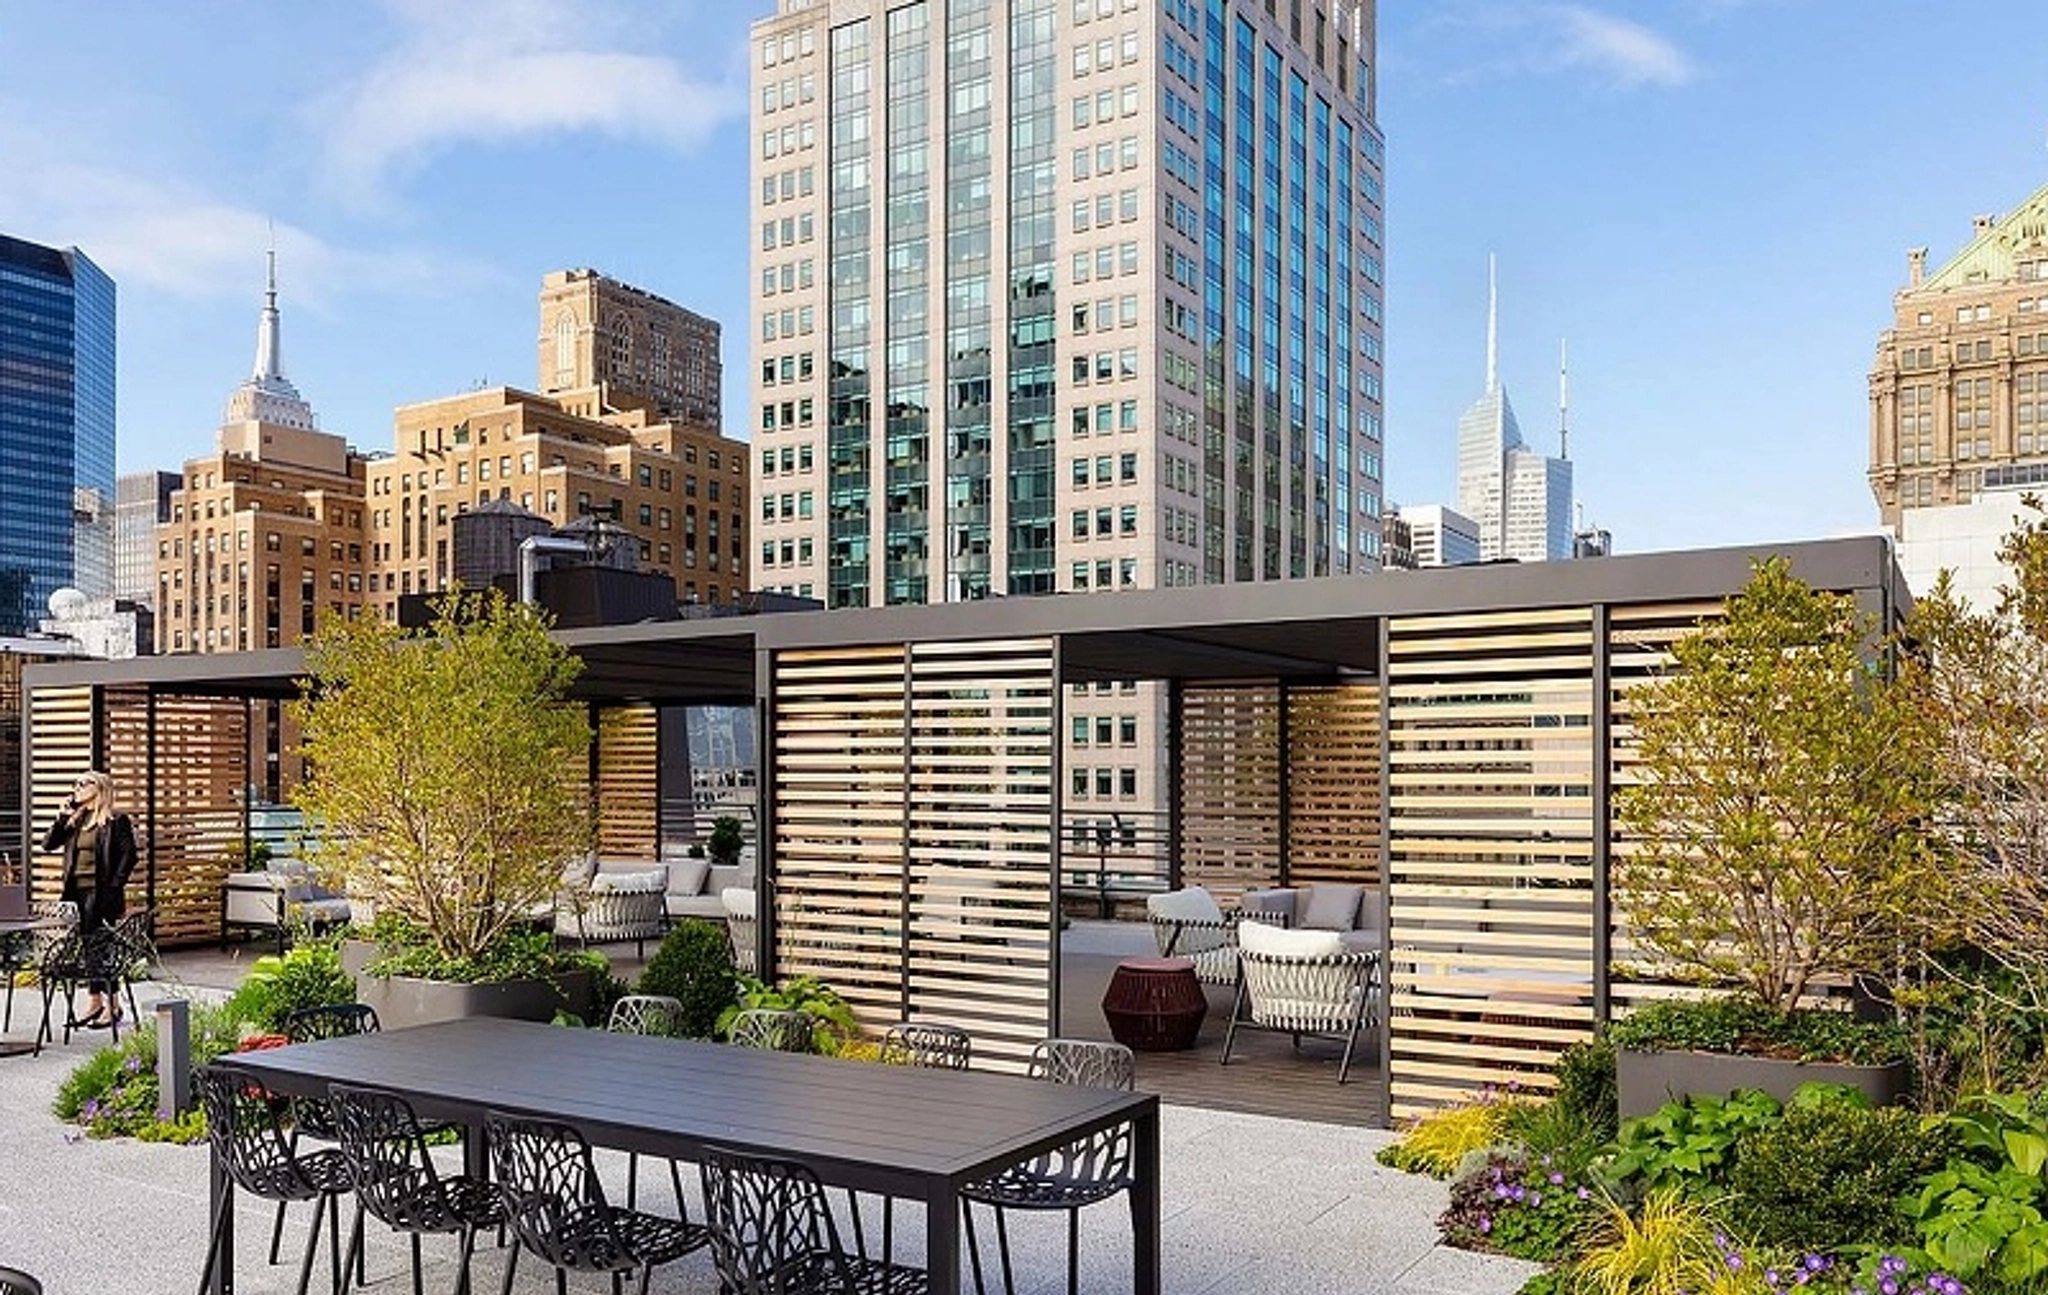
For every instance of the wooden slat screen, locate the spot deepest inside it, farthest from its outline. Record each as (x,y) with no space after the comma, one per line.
(195,823)
(838,733)
(1230,783)
(1333,784)
(981,841)
(914,833)
(628,782)
(59,746)
(1490,811)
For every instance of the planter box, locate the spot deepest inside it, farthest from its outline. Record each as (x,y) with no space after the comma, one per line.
(401,1001)
(1647,1080)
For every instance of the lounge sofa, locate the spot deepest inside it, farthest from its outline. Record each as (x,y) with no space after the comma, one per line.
(277,899)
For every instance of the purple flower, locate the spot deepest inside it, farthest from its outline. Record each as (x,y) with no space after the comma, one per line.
(1888,1285)
(1485,1224)
(1556,1179)
(1734,1261)
(1585,1194)
(1535,1199)
(92,1109)
(1771,1276)
(132,1064)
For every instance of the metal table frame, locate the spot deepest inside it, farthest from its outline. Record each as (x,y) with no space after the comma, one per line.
(888,1130)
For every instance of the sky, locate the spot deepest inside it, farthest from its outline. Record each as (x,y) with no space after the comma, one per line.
(1710,200)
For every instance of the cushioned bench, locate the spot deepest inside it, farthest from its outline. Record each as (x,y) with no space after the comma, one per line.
(273,901)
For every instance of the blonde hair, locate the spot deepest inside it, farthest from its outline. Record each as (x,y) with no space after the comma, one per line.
(103,804)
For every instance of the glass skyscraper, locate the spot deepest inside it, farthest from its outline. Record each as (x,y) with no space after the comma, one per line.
(56,428)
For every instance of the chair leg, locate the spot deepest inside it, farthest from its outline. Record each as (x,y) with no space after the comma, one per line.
(418,1287)
(467,1249)
(860,1228)
(511,1267)
(1350,1042)
(220,1214)
(618,1282)
(646,1274)
(675,1179)
(312,1249)
(561,1281)
(632,1180)
(1230,1033)
(7,1023)
(1002,1252)
(277,1232)
(352,1258)
(335,1259)
(1073,1252)
(973,1248)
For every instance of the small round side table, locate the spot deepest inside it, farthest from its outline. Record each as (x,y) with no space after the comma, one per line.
(1155,1004)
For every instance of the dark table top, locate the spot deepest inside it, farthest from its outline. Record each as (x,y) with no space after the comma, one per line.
(855,1122)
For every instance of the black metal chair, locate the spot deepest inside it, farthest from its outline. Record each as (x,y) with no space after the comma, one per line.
(313,1117)
(129,955)
(557,1207)
(930,1046)
(776,1031)
(244,1129)
(1079,1174)
(395,1179)
(772,1233)
(19,951)
(60,970)
(13,1281)
(662,1016)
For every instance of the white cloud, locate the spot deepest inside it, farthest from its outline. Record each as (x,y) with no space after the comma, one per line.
(175,238)
(1627,52)
(1488,39)
(501,71)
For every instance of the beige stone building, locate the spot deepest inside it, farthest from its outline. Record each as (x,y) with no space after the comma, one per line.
(1959,389)
(635,347)
(681,490)
(266,533)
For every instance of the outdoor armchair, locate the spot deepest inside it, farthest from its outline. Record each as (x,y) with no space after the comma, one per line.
(1190,924)
(1302,983)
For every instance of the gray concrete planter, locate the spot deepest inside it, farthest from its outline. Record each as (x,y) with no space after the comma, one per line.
(1647,1080)
(401,1001)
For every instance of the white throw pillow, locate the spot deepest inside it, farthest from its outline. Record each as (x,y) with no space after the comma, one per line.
(1257,937)
(1194,904)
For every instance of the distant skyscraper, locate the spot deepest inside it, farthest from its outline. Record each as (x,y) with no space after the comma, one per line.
(638,349)
(1959,387)
(142,502)
(56,428)
(1520,499)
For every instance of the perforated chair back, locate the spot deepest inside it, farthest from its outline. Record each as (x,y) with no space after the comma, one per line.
(247,1136)
(772,1232)
(331,1021)
(552,1195)
(395,1178)
(930,1046)
(647,1014)
(1085,1063)
(774,1030)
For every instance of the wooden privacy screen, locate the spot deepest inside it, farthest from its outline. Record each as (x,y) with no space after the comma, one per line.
(59,747)
(1250,752)
(914,833)
(1230,787)
(1491,829)
(628,782)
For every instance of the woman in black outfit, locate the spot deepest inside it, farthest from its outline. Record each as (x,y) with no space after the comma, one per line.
(99,855)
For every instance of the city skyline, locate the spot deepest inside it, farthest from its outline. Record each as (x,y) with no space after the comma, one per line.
(1712,202)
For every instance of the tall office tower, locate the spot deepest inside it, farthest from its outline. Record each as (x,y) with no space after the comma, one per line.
(679,489)
(56,427)
(636,348)
(265,533)
(142,502)
(1067,294)
(1959,388)
(1520,499)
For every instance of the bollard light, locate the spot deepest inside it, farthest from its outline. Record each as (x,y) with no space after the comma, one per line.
(174,1056)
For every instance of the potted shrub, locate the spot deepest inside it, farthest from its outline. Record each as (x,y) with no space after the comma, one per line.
(444,784)
(728,838)
(1770,840)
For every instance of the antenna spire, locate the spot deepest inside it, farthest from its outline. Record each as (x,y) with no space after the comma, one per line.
(1492,327)
(1564,402)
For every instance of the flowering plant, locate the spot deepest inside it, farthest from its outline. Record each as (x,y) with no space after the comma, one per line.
(1530,1208)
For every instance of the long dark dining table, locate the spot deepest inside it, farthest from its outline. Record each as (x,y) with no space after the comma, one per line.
(891,1130)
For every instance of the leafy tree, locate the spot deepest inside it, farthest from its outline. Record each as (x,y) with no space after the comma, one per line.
(445,768)
(1770,836)
(1981,681)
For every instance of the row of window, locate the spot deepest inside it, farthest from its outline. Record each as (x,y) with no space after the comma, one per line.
(1126,470)
(1104,209)
(786,368)
(1106,366)
(790,276)
(791,458)
(789,47)
(1105,782)
(788,231)
(1106,417)
(796,552)
(788,185)
(786,505)
(1122,521)
(1106,105)
(797,322)
(1105,54)
(1104,729)
(788,92)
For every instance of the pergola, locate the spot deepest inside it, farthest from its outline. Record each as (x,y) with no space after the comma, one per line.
(1452,737)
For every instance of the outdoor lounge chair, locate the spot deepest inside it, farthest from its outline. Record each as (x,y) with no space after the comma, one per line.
(1190,924)
(1302,982)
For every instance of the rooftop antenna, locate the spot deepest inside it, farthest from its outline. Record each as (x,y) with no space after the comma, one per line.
(1564,402)
(1492,327)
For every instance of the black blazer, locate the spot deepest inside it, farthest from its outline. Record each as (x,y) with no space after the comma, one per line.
(116,861)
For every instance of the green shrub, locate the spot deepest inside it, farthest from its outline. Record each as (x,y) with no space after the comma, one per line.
(1437,1143)
(309,975)
(1829,1174)
(728,839)
(831,1017)
(1586,1092)
(694,967)
(1688,1147)
(114,1092)
(1734,1023)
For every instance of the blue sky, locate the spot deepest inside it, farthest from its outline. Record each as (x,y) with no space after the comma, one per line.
(1711,199)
